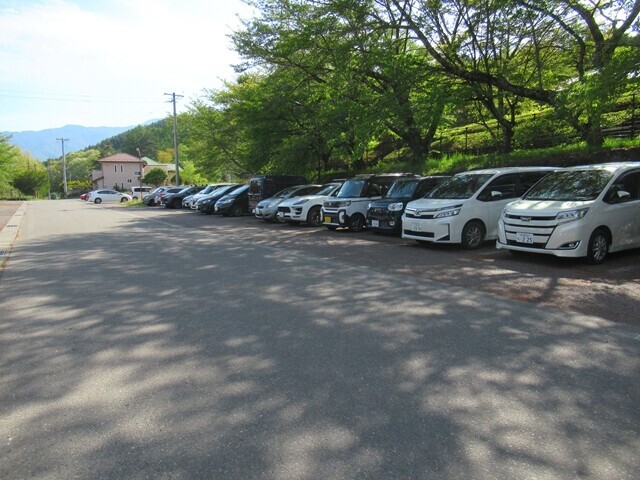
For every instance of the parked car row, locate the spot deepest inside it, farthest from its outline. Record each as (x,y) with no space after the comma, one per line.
(587,211)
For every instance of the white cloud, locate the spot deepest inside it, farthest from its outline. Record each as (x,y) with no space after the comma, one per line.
(109,63)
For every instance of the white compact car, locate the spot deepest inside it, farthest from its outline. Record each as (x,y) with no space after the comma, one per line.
(465,208)
(307,208)
(585,211)
(107,195)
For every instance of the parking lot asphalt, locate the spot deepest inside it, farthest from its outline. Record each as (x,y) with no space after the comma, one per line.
(155,343)
(610,291)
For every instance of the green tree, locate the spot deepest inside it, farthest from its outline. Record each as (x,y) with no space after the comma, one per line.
(31,182)
(8,155)
(156,176)
(585,36)
(189,174)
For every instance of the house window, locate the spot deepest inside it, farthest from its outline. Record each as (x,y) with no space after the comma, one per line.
(128,180)
(121,170)
(115,168)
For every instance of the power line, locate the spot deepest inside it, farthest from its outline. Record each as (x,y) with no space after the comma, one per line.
(61,97)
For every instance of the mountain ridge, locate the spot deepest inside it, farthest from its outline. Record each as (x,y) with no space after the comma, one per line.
(44,144)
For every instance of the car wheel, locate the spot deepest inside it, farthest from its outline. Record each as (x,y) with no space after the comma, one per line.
(314,216)
(598,247)
(97,200)
(235,211)
(124,199)
(472,235)
(357,223)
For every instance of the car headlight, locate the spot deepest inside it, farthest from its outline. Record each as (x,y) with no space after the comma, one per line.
(571,215)
(344,203)
(396,207)
(301,202)
(273,204)
(447,213)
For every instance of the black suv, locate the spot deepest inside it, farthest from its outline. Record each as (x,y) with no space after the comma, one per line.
(174,200)
(235,203)
(385,215)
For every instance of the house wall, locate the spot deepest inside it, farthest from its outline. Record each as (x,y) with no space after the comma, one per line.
(124,174)
(120,175)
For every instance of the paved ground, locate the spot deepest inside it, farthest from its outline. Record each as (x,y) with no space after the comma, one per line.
(610,291)
(7,209)
(152,344)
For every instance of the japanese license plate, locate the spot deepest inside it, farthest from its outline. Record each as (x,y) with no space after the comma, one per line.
(375,223)
(524,238)
(327,219)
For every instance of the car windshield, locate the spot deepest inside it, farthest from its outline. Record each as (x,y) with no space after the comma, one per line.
(460,186)
(570,185)
(222,190)
(285,193)
(208,189)
(238,191)
(326,189)
(402,189)
(352,188)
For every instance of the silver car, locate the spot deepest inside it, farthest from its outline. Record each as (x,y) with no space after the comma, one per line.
(267,209)
(108,195)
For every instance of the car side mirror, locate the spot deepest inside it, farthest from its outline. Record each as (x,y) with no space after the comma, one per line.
(496,193)
(623,194)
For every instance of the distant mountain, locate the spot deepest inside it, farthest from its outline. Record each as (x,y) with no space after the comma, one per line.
(43,144)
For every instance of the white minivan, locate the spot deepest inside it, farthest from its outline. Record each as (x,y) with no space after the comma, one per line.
(585,211)
(465,208)
(139,192)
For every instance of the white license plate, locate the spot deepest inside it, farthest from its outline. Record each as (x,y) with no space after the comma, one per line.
(524,238)
(375,223)
(416,227)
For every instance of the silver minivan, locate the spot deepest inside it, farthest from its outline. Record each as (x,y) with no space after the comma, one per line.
(585,211)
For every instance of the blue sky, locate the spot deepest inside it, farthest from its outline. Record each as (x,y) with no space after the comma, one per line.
(109,63)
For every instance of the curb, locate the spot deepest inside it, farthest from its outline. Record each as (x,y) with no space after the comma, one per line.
(9,233)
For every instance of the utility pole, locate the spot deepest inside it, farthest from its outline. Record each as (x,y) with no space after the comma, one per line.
(175,135)
(140,177)
(64,167)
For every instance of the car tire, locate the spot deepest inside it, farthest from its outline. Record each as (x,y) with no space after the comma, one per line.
(314,217)
(357,223)
(124,199)
(235,211)
(598,247)
(472,235)
(97,200)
